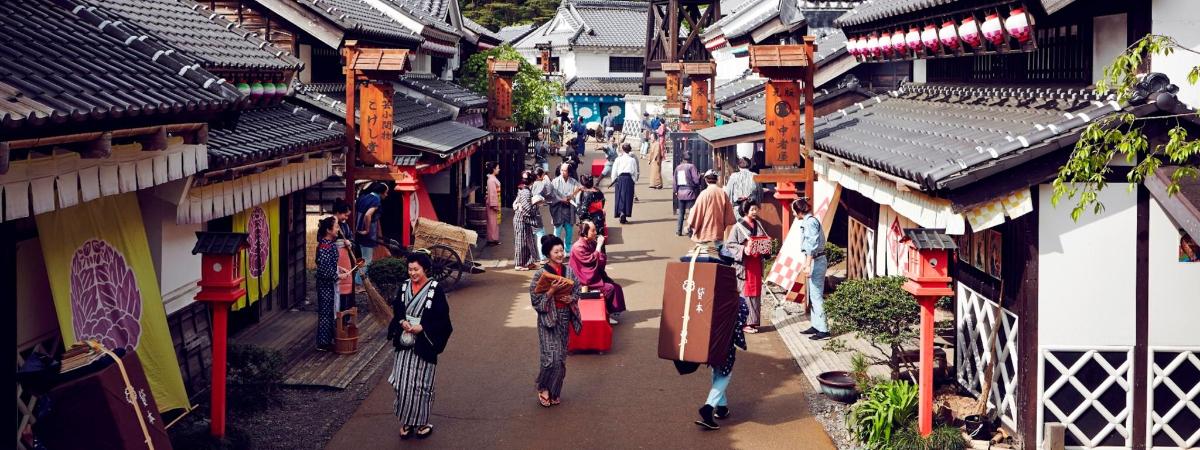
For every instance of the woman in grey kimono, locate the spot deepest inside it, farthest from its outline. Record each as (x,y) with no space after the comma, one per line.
(526,219)
(557,309)
(419,331)
(749,266)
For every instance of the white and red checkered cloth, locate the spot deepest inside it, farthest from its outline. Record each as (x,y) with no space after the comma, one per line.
(790,261)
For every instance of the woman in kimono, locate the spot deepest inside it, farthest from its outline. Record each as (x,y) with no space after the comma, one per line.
(419,332)
(557,309)
(591,204)
(656,161)
(589,264)
(493,202)
(525,220)
(327,279)
(749,267)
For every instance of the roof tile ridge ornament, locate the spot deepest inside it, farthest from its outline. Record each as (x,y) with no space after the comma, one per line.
(153,50)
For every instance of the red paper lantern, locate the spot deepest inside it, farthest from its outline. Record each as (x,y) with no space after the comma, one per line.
(948,36)
(992,29)
(852,47)
(873,46)
(898,42)
(1019,25)
(929,37)
(885,44)
(969,32)
(913,38)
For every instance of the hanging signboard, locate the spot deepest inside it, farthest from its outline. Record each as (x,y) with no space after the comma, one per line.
(375,132)
(783,123)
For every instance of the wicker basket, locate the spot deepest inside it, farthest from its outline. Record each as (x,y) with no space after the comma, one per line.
(431,232)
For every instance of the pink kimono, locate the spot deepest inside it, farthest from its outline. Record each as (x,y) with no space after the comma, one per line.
(493,204)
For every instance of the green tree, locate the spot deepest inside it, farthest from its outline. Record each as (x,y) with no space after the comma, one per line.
(1082,177)
(532,95)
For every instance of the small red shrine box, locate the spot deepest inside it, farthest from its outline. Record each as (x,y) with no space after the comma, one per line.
(598,167)
(929,251)
(597,333)
(220,278)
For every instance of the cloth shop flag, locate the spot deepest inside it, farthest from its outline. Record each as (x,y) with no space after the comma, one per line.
(105,287)
(260,266)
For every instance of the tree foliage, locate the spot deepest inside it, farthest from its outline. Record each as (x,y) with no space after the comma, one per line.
(496,14)
(532,94)
(1082,177)
(878,310)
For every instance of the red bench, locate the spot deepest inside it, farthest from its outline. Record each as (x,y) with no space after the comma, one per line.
(597,333)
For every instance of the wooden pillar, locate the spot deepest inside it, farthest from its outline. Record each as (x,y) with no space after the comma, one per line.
(809,116)
(673,107)
(407,185)
(700,74)
(350,52)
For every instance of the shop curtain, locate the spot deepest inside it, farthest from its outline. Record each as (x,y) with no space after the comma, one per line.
(260,264)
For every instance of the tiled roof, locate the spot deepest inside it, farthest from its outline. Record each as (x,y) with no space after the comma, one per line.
(514,33)
(407,112)
(874,10)
(443,137)
(604,86)
(445,91)
(755,106)
(360,18)
(198,34)
(829,43)
(428,12)
(737,89)
(218,242)
(58,65)
(270,133)
(732,130)
(597,23)
(932,134)
(481,30)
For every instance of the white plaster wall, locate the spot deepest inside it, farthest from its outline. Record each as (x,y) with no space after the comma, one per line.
(729,66)
(1085,271)
(919,71)
(171,249)
(589,64)
(1174,286)
(1179,19)
(1108,41)
(566,63)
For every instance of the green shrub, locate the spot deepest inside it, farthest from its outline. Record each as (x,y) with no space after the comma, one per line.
(255,374)
(834,254)
(878,310)
(945,303)
(884,411)
(858,370)
(389,271)
(942,438)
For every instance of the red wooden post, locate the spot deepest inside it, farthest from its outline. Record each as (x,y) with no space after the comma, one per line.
(925,387)
(928,279)
(220,286)
(407,184)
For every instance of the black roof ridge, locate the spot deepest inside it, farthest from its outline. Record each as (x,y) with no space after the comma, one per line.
(247,34)
(348,22)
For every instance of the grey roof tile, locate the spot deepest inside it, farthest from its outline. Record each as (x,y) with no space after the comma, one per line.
(604,85)
(443,137)
(873,10)
(57,65)
(219,242)
(357,17)
(732,130)
(514,33)
(445,91)
(429,12)
(596,23)
(272,132)
(481,30)
(199,34)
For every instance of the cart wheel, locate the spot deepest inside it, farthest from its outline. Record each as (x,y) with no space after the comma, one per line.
(447,266)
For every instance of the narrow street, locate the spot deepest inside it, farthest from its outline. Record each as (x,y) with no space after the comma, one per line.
(628,398)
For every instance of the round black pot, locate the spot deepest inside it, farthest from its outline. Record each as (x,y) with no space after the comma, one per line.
(978,427)
(839,386)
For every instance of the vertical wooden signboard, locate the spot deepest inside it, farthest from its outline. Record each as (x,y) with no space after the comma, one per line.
(783,123)
(375,132)
(673,104)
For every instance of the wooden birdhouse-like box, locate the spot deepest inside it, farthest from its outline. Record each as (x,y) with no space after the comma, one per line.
(220,279)
(929,251)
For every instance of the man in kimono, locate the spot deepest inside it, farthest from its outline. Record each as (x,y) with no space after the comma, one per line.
(813,248)
(711,216)
(687,186)
(741,185)
(625,175)
(562,210)
(580,137)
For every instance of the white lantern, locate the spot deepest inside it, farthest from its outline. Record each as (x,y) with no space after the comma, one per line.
(873,45)
(969,32)
(948,36)
(898,43)
(991,29)
(885,44)
(929,37)
(913,39)
(1018,25)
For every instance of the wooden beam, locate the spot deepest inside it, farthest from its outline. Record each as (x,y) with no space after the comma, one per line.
(4,157)
(98,148)
(156,141)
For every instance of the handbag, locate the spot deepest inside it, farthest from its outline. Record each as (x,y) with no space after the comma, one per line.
(402,338)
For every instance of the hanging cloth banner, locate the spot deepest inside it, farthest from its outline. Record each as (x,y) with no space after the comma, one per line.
(105,287)
(260,266)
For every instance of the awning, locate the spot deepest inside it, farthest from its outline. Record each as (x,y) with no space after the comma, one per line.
(924,210)
(734,133)
(40,185)
(213,201)
(441,138)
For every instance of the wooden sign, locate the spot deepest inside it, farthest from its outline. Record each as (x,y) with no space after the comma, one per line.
(500,108)
(673,84)
(700,116)
(375,132)
(784,120)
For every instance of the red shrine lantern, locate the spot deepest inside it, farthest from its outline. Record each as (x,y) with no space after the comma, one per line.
(928,279)
(220,286)
(873,45)
(913,39)
(929,37)
(969,32)
(1019,25)
(949,36)
(992,29)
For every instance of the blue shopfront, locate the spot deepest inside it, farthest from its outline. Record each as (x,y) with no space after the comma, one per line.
(592,108)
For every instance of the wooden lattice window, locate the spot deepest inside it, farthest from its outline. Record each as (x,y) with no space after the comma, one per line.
(1090,391)
(860,250)
(625,64)
(1174,421)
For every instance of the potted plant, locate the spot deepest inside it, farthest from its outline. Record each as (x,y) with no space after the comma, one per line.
(879,311)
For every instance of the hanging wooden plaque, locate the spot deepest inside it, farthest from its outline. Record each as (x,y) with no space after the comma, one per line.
(375,132)
(784,120)
(700,116)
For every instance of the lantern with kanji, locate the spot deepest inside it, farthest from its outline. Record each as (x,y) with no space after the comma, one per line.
(913,39)
(220,286)
(929,37)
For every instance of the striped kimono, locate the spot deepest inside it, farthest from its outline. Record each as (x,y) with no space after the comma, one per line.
(414,369)
(526,220)
(553,332)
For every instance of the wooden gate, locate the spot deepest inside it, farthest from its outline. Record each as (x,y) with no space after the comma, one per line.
(508,150)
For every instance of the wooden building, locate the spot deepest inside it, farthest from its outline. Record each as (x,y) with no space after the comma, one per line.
(1090,332)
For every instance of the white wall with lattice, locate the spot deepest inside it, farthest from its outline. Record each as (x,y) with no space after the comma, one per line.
(976,318)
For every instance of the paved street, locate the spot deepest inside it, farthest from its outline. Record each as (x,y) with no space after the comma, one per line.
(628,398)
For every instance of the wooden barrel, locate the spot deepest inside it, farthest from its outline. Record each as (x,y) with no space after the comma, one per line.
(476,213)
